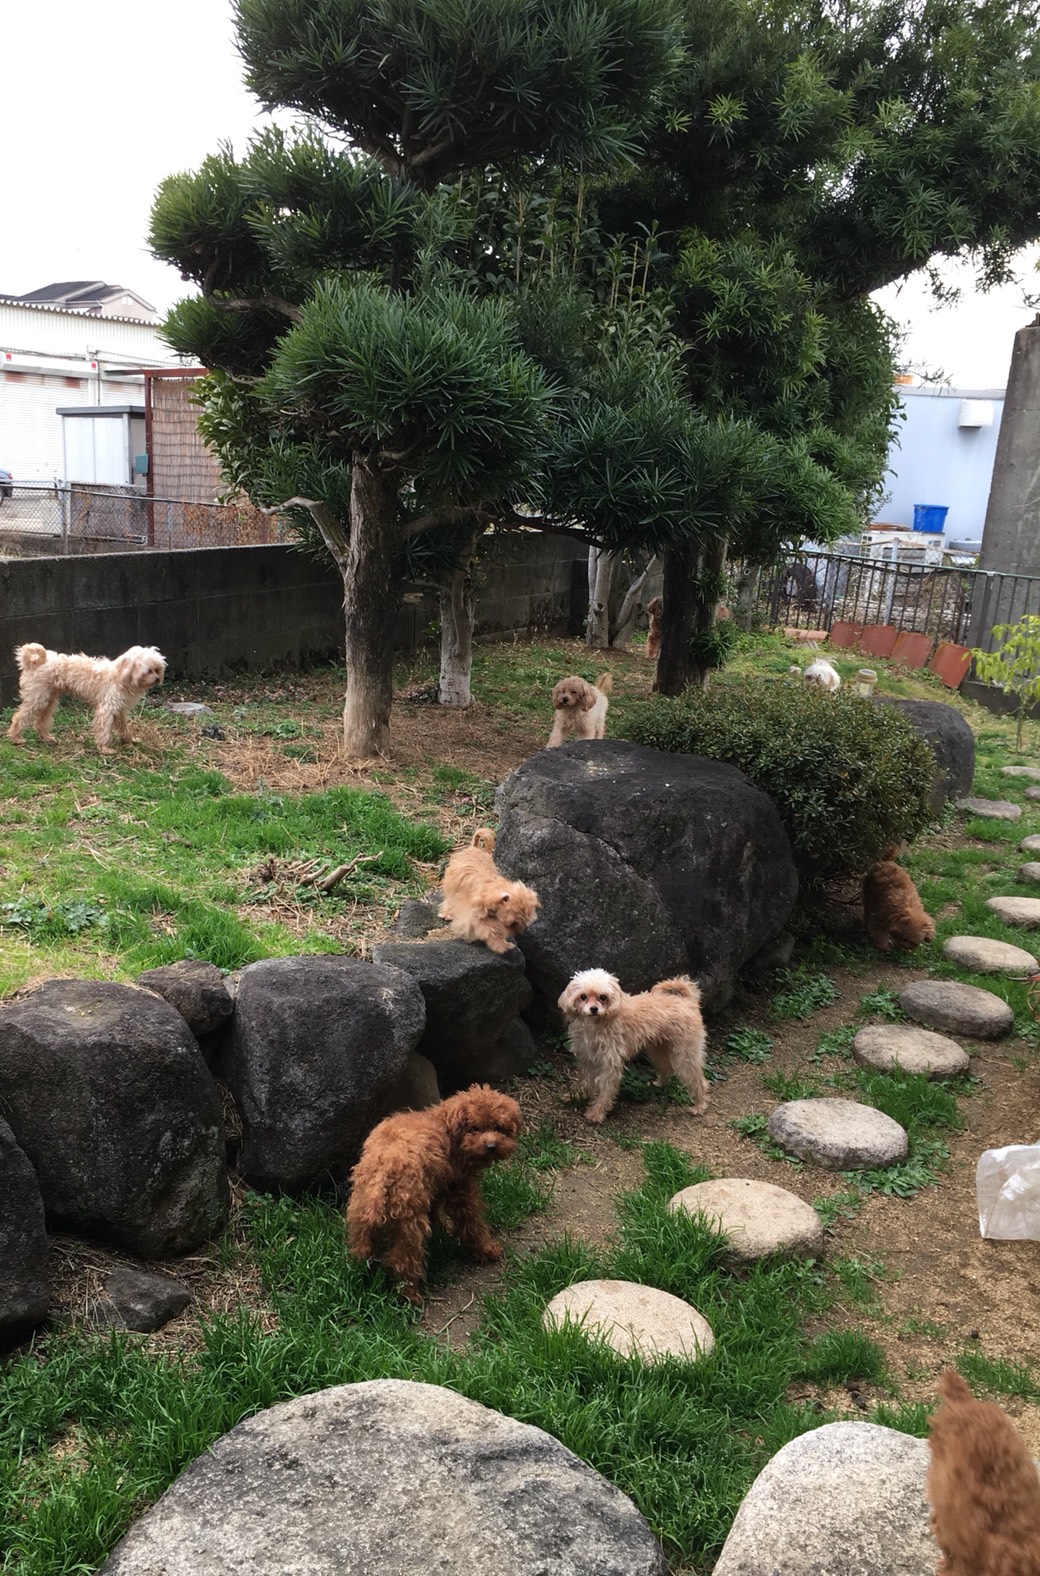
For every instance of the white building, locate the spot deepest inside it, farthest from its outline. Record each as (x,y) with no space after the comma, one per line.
(53,356)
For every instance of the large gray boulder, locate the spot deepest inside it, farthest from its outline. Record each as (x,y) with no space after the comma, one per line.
(24,1254)
(107,1093)
(315,1050)
(847,1497)
(393,1477)
(647,864)
(473,997)
(951,740)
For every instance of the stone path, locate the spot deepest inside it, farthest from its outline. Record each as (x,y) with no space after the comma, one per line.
(900,1047)
(1030,871)
(1030,845)
(841,1135)
(953,1008)
(634,1320)
(991,809)
(758,1218)
(982,955)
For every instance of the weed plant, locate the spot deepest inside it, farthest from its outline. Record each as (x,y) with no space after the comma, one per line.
(802,993)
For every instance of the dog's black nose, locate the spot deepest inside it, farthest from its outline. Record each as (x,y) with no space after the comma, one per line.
(593,1011)
(491,1144)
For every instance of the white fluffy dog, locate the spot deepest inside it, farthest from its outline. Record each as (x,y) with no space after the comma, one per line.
(609,1028)
(820,672)
(110,686)
(581,709)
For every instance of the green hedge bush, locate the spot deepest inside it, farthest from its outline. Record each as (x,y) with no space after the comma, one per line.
(847,776)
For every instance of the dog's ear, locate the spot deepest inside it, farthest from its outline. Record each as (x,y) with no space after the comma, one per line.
(589,697)
(566,1001)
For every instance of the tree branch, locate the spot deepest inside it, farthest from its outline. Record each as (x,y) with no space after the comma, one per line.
(329,525)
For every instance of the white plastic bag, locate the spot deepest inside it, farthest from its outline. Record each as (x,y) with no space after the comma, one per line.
(1007,1190)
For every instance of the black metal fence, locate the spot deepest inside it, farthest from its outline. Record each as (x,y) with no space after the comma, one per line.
(38,519)
(947,601)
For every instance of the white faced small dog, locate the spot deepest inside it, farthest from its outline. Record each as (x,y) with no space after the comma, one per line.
(609,1028)
(822,673)
(111,686)
(580,709)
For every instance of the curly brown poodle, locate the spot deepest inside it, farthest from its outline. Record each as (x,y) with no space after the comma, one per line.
(482,903)
(892,912)
(579,709)
(983,1488)
(419,1169)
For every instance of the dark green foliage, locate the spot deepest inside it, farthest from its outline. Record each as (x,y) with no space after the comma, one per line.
(847,777)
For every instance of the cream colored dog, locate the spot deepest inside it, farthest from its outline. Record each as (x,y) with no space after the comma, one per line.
(112,687)
(609,1028)
(482,903)
(581,709)
(823,673)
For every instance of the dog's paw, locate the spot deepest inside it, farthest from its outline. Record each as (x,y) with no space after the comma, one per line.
(596,1113)
(413,1295)
(491,1253)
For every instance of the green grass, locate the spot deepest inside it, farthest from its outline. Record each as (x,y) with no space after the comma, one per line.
(683,1440)
(802,993)
(999,1375)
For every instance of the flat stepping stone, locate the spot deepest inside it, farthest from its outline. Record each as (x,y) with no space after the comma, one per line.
(633,1320)
(839,1134)
(1033,793)
(1016,910)
(758,1218)
(1030,871)
(1030,845)
(900,1047)
(1022,771)
(992,809)
(953,1008)
(983,955)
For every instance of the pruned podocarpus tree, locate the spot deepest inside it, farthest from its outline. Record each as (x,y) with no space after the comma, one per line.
(361,380)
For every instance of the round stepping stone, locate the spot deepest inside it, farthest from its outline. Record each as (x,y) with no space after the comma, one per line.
(839,1134)
(1033,793)
(953,1008)
(757,1217)
(900,1047)
(992,809)
(1022,771)
(633,1320)
(1016,910)
(1030,845)
(984,956)
(1029,871)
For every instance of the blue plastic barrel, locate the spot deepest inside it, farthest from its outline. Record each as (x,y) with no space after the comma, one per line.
(931,517)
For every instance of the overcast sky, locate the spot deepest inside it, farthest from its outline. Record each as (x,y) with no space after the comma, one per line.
(99,103)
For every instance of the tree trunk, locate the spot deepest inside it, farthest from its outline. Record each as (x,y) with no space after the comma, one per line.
(371,595)
(747,595)
(603,567)
(692,578)
(457,599)
(611,618)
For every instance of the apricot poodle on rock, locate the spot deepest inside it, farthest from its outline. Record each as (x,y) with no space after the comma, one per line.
(983,1488)
(419,1169)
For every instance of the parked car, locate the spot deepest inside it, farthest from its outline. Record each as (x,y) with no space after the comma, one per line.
(6,485)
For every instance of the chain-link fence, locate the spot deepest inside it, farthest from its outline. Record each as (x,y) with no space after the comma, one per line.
(38,519)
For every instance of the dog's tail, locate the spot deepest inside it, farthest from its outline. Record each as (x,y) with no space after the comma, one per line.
(891,852)
(681,985)
(483,838)
(605,683)
(30,656)
(953,1388)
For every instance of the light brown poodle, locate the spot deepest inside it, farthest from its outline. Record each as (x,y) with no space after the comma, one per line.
(580,709)
(111,686)
(892,912)
(482,904)
(654,613)
(419,1169)
(609,1028)
(983,1488)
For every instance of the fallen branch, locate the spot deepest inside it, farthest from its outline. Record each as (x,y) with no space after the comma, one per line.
(326,883)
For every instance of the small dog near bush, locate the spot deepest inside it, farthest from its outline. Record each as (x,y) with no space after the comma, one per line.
(892,911)
(111,686)
(609,1028)
(581,709)
(822,673)
(419,1169)
(481,903)
(983,1488)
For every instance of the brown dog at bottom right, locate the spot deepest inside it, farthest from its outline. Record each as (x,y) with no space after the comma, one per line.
(983,1488)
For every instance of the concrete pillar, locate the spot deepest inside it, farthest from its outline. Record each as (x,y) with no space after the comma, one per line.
(1011,536)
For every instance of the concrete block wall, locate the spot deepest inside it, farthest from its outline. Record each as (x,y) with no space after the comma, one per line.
(221,610)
